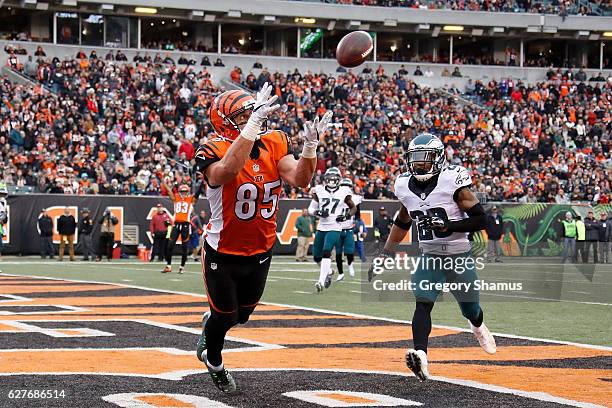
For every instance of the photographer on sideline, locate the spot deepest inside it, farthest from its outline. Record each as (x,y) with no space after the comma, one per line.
(107,235)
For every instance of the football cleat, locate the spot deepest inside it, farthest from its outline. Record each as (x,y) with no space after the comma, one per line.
(319,287)
(202,340)
(351,270)
(416,360)
(223,380)
(484,337)
(167,269)
(340,277)
(328,281)
(181,269)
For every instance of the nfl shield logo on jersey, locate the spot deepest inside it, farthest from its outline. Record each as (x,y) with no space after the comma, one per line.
(256,168)
(213,266)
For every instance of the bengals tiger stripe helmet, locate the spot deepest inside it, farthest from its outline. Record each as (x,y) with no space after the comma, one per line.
(224,110)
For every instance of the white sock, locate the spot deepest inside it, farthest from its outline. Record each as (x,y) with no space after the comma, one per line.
(351,270)
(325,269)
(216,369)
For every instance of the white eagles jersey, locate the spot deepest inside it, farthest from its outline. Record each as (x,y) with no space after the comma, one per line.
(437,199)
(334,202)
(350,223)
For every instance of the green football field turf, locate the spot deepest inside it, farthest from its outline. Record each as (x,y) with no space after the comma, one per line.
(292,283)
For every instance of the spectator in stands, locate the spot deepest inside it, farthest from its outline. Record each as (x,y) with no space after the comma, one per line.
(257,65)
(495,230)
(592,237)
(120,56)
(303,225)
(417,71)
(456,73)
(45,228)
(236,75)
(205,61)
(85,232)
(39,52)
(529,197)
(66,227)
(107,235)
(581,75)
(219,63)
(445,72)
(31,68)
(160,221)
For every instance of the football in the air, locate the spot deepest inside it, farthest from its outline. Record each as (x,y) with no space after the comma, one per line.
(354,48)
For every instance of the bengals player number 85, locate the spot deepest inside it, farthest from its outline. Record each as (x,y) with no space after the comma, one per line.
(244,167)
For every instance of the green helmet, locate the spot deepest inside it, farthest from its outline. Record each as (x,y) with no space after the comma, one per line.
(425,157)
(346,182)
(331,179)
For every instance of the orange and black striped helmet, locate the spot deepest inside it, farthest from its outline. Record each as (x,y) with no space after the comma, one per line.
(224,110)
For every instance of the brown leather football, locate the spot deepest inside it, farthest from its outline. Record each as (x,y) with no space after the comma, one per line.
(354,48)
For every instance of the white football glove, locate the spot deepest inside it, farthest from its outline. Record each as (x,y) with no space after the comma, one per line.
(312,134)
(264,106)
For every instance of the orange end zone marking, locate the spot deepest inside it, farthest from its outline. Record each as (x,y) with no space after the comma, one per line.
(330,335)
(350,399)
(162,401)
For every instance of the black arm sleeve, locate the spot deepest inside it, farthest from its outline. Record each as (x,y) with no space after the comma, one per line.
(403,225)
(477,221)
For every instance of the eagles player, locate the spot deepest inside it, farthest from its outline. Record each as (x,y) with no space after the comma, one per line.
(346,241)
(332,204)
(438,199)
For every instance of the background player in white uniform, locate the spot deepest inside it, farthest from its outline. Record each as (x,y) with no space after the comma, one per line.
(437,197)
(329,203)
(346,241)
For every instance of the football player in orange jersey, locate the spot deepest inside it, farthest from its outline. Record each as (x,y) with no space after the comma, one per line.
(183,207)
(244,167)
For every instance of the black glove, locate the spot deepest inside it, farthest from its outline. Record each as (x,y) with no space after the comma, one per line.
(379,259)
(427,222)
(341,218)
(322,213)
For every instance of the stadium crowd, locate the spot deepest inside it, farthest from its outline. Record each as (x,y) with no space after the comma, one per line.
(561,7)
(121,128)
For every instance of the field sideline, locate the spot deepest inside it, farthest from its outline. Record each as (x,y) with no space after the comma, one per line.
(291,283)
(123,334)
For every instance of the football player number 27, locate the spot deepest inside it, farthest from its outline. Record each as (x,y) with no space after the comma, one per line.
(246,200)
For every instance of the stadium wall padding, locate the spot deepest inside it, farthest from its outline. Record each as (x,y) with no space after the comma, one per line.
(530,229)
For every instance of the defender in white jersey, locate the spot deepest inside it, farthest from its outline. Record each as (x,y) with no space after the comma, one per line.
(438,199)
(332,204)
(346,240)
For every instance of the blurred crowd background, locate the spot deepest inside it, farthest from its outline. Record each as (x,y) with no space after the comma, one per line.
(116,127)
